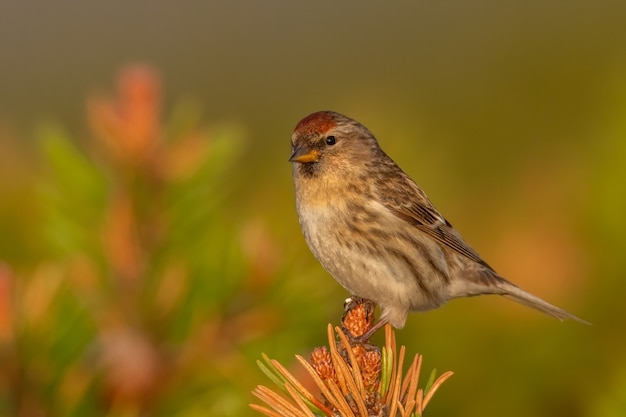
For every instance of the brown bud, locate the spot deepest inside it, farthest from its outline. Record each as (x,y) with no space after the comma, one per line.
(323,364)
(358,316)
(371,369)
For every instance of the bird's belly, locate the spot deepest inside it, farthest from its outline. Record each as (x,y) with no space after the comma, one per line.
(388,283)
(387,272)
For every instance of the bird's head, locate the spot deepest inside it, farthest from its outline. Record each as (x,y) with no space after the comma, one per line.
(327,140)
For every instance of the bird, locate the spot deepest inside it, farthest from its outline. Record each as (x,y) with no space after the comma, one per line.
(375,231)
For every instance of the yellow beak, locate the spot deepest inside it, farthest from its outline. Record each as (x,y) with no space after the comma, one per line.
(304,155)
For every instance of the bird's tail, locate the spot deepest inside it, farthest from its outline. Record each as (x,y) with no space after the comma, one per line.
(515,293)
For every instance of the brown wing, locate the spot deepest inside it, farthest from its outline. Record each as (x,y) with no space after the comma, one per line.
(416,209)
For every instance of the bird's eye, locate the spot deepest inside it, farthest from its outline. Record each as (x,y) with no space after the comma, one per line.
(330,140)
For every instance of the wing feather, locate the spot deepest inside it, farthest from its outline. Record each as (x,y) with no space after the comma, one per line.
(417,210)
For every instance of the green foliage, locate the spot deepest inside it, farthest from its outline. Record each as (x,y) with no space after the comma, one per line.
(145,301)
(73,194)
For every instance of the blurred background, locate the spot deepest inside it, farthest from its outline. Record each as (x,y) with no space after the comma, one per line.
(149,247)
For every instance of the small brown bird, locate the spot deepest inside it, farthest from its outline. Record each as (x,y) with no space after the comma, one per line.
(375,231)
